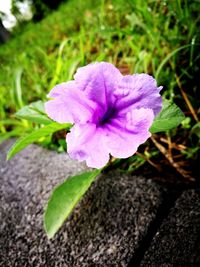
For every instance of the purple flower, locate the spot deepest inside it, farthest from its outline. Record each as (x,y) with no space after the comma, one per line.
(111,113)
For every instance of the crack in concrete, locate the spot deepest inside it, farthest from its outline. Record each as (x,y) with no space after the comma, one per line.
(168,202)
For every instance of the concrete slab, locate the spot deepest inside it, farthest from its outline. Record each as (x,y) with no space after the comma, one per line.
(105,229)
(177,242)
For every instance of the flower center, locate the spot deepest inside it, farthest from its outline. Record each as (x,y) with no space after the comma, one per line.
(109,114)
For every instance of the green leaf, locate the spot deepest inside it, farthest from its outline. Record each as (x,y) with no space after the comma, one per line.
(34,112)
(169,117)
(168,57)
(64,198)
(34,136)
(196,129)
(16,132)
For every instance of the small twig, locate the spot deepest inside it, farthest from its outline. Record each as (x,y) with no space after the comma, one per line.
(164,151)
(149,161)
(169,142)
(186,99)
(178,156)
(173,145)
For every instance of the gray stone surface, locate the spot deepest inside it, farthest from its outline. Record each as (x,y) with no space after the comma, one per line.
(177,243)
(105,229)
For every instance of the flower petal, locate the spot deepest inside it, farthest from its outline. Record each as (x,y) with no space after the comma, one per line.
(69,104)
(124,134)
(139,91)
(85,142)
(99,81)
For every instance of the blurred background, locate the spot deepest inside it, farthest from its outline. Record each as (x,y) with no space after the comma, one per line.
(43,42)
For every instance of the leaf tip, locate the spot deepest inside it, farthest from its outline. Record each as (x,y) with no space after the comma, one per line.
(8,156)
(50,234)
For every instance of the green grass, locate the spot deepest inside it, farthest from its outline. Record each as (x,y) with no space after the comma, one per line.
(157,37)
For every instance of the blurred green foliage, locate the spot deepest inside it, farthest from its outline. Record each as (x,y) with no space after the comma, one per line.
(161,38)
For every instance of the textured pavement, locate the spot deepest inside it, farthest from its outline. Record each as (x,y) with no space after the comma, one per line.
(177,241)
(105,229)
(123,220)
